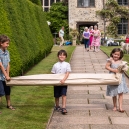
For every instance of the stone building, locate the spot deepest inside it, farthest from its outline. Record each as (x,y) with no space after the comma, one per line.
(83,13)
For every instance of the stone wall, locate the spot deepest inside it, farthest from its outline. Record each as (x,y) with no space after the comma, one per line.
(86,15)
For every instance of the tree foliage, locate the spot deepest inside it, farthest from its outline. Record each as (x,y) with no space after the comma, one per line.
(58,16)
(112,13)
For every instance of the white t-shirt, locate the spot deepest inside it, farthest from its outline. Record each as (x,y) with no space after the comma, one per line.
(61,67)
(61,33)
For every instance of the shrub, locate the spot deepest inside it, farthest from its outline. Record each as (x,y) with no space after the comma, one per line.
(25,24)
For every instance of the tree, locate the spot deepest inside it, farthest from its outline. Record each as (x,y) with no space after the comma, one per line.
(58,16)
(112,13)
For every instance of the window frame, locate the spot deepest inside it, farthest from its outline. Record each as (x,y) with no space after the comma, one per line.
(122,2)
(123,24)
(89,4)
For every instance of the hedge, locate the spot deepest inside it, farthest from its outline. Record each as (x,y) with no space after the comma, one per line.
(38,2)
(31,39)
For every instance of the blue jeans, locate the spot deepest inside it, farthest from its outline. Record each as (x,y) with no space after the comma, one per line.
(86,43)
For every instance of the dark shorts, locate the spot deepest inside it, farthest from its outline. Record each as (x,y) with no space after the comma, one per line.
(6,88)
(59,91)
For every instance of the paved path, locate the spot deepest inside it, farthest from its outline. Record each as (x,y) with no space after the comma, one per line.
(88,106)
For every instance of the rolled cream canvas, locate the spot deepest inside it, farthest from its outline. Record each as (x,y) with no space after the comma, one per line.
(73,79)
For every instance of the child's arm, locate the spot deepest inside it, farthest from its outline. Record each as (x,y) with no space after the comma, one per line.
(65,77)
(8,69)
(108,67)
(4,72)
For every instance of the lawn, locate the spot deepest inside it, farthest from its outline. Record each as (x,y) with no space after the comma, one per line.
(107,50)
(33,104)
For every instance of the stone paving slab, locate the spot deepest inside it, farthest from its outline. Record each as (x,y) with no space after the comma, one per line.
(96,92)
(76,92)
(75,113)
(95,126)
(100,101)
(86,106)
(77,101)
(107,113)
(126,96)
(120,120)
(69,126)
(110,107)
(80,120)
(84,87)
(87,96)
(127,111)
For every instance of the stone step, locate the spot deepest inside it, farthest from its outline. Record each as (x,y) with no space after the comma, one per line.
(88,126)
(85,96)
(85,106)
(66,120)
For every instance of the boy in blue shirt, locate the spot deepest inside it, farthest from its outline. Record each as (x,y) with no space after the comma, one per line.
(5,68)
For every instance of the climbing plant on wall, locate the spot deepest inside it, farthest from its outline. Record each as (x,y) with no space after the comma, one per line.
(112,13)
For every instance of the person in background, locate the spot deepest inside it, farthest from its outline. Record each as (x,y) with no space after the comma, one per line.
(86,36)
(127,38)
(61,35)
(96,39)
(91,35)
(5,68)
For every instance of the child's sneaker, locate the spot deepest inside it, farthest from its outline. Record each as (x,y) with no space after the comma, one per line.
(59,109)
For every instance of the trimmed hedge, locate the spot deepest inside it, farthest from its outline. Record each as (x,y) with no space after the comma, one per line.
(31,39)
(38,2)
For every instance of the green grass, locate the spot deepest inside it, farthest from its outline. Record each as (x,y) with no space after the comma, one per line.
(108,50)
(33,104)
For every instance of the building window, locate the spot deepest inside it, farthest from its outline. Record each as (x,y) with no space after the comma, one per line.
(123,26)
(122,2)
(51,2)
(46,2)
(86,3)
(46,9)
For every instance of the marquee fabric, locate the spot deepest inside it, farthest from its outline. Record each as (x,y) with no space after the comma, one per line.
(73,79)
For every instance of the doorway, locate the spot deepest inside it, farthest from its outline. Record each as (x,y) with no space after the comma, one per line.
(81,25)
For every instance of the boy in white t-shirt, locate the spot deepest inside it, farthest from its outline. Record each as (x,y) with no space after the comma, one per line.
(60,91)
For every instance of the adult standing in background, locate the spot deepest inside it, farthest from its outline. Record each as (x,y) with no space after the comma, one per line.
(61,35)
(96,39)
(86,36)
(91,35)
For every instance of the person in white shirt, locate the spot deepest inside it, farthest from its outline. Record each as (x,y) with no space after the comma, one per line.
(61,67)
(61,35)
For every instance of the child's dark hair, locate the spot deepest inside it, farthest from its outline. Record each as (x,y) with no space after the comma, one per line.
(4,38)
(117,50)
(62,52)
